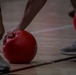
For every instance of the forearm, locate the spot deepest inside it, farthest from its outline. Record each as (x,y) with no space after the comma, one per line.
(31,10)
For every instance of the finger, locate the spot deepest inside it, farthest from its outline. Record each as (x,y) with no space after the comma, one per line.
(4,40)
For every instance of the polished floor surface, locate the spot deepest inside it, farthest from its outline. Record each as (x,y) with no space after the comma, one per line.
(53,30)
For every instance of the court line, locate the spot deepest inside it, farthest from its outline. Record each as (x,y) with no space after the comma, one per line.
(42,64)
(45,63)
(52,29)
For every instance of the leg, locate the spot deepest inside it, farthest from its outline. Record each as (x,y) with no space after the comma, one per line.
(2,31)
(73,2)
(4,66)
(70,50)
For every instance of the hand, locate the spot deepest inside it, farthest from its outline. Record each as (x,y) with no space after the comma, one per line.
(10,34)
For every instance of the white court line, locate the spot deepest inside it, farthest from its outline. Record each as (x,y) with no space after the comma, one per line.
(52,29)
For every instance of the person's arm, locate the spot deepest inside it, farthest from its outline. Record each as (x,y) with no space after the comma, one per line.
(31,10)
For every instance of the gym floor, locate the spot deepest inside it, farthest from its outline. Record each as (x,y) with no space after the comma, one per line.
(53,30)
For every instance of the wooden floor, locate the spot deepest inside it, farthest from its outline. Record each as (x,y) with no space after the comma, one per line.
(53,30)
